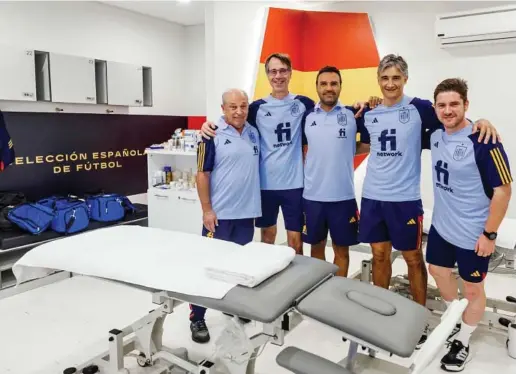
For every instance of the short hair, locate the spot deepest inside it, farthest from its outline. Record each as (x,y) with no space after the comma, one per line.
(393,60)
(283,57)
(458,85)
(328,69)
(230,91)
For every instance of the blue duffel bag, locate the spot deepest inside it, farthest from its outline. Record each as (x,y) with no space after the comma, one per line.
(109,207)
(71,214)
(32,217)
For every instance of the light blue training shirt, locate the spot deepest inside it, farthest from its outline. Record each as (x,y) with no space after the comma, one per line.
(233,160)
(397,135)
(465,173)
(279,124)
(331,140)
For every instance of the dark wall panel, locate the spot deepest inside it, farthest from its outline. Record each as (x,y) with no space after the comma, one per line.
(61,153)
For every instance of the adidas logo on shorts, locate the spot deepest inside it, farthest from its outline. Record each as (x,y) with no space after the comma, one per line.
(411,221)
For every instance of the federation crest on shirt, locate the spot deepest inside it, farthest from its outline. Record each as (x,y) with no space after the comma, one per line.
(294,110)
(460,152)
(252,137)
(404,115)
(342,120)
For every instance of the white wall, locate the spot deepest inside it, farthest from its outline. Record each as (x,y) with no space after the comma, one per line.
(194,100)
(105,32)
(406,28)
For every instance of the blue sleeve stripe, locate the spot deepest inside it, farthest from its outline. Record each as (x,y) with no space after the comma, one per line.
(501,166)
(201,155)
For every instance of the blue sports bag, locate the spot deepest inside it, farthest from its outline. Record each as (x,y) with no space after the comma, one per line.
(109,207)
(32,217)
(71,214)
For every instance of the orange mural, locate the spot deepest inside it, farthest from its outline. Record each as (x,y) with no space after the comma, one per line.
(315,39)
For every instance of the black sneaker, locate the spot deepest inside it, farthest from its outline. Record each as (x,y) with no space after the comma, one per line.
(423,338)
(456,358)
(200,333)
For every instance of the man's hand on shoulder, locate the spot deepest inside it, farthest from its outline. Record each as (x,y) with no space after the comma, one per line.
(359,106)
(208,130)
(487,131)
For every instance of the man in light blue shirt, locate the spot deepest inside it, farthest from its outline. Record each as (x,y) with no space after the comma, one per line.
(329,146)
(228,184)
(472,189)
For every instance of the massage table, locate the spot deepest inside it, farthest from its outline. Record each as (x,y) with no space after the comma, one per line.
(499,316)
(306,288)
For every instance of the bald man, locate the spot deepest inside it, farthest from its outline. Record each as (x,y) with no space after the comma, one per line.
(228,184)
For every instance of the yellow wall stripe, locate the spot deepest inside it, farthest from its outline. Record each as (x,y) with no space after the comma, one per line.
(501,166)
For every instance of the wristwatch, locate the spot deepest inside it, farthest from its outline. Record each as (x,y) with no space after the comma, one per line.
(490,235)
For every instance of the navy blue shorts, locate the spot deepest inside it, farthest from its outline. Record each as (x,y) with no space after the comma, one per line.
(472,267)
(291,203)
(339,217)
(401,223)
(240,231)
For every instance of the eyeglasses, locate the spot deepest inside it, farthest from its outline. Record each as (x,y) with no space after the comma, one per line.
(281,71)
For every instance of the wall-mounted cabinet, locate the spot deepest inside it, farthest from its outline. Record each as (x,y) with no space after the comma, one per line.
(124,84)
(32,75)
(72,79)
(17,74)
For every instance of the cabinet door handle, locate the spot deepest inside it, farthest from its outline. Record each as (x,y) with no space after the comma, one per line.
(161,196)
(186,199)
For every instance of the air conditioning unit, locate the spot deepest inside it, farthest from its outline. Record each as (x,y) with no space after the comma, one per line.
(476,27)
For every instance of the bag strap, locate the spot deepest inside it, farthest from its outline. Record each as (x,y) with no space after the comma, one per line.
(70,223)
(128,204)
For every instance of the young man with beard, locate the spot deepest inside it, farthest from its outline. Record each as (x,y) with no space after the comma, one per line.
(472,189)
(329,147)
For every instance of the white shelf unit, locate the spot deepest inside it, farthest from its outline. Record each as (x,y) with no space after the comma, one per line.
(172,209)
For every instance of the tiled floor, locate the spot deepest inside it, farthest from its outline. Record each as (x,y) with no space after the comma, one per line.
(48,329)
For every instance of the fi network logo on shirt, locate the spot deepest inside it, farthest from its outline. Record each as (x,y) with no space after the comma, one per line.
(388,146)
(284,135)
(442,176)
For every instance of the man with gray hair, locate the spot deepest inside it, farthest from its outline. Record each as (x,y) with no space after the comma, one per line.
(391,208)
(228,184)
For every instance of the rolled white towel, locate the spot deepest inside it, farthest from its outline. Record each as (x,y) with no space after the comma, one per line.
(251,264)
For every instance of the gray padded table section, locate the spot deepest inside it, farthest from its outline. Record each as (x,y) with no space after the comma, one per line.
(271,298)
(381,317)
(301,362)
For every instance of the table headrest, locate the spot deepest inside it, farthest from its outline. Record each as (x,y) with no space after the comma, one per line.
(374,304)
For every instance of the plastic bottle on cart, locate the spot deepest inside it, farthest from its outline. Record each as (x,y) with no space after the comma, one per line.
(168,174)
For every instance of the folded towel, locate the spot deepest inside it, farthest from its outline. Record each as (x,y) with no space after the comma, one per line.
(251,264)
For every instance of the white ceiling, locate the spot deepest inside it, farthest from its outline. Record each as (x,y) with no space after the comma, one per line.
(181,12)
(191,12)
